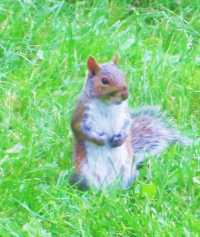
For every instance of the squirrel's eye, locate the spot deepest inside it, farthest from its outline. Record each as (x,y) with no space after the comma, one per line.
(105,81)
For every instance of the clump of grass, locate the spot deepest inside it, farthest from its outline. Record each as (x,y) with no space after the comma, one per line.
(43,49)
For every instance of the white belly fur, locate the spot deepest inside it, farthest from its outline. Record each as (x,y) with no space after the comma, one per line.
(104,165)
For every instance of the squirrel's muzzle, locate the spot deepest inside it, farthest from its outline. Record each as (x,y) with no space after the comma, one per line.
(124,93)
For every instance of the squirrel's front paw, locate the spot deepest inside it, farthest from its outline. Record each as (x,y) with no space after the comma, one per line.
(117,140)
(101,138)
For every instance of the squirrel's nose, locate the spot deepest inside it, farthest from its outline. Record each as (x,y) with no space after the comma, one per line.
(124,93)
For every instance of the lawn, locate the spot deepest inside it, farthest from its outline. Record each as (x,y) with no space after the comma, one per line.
(44,46)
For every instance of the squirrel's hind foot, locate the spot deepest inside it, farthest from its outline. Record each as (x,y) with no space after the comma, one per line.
(79,181)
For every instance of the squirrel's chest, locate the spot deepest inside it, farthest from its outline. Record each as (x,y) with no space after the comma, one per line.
(105,165)
(106,118)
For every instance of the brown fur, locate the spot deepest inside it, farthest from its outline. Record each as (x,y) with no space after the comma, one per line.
(79,155)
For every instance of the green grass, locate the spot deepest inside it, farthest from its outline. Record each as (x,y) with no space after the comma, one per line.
(44,46)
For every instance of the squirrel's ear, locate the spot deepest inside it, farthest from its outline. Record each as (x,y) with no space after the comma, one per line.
(115,59)
(93,67)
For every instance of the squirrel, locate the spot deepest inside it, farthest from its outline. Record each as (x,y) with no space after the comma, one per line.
(111,140)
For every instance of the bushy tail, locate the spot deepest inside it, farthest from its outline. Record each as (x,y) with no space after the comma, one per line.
(153,132)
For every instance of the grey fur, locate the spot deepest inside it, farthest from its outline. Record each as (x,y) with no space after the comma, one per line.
(153,132)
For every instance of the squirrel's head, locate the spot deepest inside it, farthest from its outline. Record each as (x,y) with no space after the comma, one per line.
(106,81)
